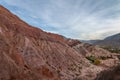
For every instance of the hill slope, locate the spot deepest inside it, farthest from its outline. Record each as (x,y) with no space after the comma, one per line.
(28,53)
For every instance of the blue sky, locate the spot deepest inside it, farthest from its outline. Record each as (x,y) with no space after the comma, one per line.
(78,19)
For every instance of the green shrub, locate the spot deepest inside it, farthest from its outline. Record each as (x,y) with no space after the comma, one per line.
(103,57)
(93,60)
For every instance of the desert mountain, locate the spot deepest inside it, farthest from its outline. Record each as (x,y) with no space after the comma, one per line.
(111,41)
(28,53)
(90,41)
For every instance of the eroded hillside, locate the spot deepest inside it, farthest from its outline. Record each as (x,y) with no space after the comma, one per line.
(28,53)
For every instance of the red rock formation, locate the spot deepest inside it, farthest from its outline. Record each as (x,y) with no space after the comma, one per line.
(28,53)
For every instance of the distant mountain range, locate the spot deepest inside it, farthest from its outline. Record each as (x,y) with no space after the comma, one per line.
(111,41)
(90,41)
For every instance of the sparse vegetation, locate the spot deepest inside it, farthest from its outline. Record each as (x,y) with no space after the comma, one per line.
(93,60)
(105,57)
(97,62)
(112,50)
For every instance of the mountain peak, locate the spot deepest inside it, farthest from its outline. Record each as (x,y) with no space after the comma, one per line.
(115,36)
